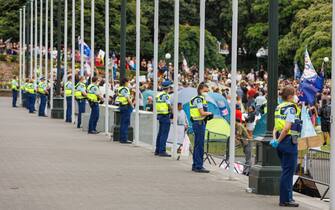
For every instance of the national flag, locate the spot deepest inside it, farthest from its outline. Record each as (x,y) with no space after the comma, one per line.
(311,83)
(87,49)
(297,72)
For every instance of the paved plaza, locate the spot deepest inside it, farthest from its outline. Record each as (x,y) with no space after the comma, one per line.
(47,164)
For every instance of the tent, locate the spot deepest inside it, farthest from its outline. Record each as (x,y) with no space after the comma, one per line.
(222,104)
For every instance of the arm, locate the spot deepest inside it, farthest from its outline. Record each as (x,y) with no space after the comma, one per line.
(203,113)
(285,131)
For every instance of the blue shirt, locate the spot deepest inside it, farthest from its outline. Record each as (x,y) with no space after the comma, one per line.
(198,103)
(166,98)
(124,92)
(290,114)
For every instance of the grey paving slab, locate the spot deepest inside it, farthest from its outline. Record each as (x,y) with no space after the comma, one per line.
(47,164)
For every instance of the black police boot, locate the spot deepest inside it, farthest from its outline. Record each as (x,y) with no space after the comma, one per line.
(289,204)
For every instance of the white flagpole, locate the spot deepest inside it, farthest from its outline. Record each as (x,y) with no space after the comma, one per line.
(107,66)
(332,131)
(24,47)
(155,65)
(46,45)
(41,36)
(92,37)
(73,55)
(36,45)
(46,39)
(20,58)
(31,40)
(82,38)
(233,88)
(202,40)
(138,55)
(51,52)
(175,74)
(65,52)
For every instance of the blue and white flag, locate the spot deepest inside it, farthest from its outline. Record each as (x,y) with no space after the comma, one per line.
(297,72)
(311,83)
(307,126)
(87,49)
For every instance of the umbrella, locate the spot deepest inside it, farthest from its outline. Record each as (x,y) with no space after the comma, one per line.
(185,95)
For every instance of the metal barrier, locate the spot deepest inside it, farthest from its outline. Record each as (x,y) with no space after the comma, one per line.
(318,168)
(217,145)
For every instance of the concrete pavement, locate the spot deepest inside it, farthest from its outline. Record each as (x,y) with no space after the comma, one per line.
(47,164)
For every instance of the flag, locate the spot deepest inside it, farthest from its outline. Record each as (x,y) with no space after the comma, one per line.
(87,49)
(297,72)
(185,65)
(101,56)
(307,126)
(311,83)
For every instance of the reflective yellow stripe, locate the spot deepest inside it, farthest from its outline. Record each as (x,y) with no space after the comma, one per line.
(280,119)
(91,96)
(161,106)
(120,98)
(194,111)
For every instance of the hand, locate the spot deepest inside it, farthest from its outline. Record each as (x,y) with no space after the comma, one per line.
(274,143)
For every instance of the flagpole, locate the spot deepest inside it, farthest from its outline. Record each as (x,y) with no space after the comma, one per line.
(31,39)
(65,52)
(41,36)
(138,45)
(202,40)
(107,66)
(46,39)
(332,131)
(73,56)
(175,83)
(24,47)
(36,45)
(51,53)
(155,65)
(81,38)
(233,88)
(92,37)
(20,58)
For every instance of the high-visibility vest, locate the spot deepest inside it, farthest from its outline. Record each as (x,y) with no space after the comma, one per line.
(120,99)
(15,85)
(91,95)
(30,88)
(78,92)
(23,87)
(68,88)
(280,118)
(161,106)
(194,110)
(42,86)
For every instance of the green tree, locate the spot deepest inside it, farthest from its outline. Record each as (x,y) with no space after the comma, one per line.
(189,46)
(310,29)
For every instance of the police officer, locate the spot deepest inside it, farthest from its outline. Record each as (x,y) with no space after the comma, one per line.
(30,89)
(163,107)
(15,90)
(68,94)
(24,94)
(43,92)
(126,107)
(286,131)
(80,94)
(198,111)
(94,97)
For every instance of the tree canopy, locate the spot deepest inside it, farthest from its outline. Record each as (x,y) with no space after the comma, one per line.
(303,23)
